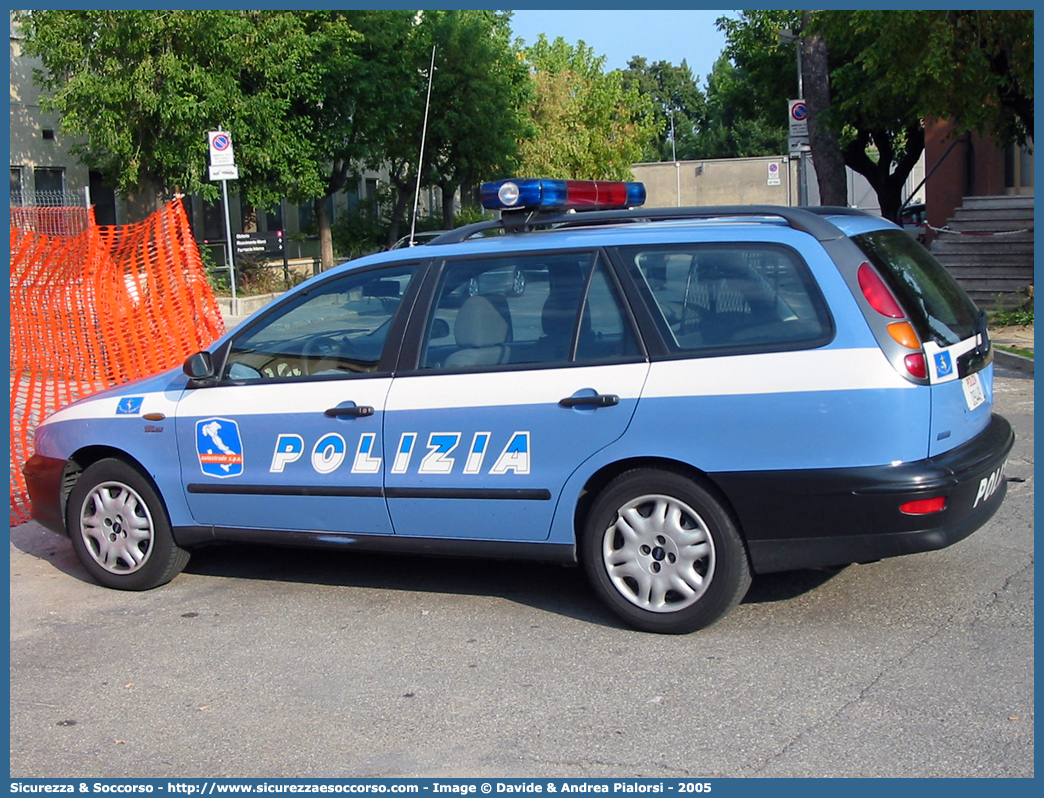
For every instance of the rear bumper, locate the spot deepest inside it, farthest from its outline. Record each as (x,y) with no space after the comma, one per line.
(43,479)
(805,519)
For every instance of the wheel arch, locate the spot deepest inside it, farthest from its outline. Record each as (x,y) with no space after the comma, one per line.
(84,458)
(607,473)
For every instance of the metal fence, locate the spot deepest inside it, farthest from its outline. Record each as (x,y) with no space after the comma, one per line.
(51,212)
(25,198)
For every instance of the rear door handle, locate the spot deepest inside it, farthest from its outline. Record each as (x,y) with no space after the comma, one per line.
(595,400)
(349,409)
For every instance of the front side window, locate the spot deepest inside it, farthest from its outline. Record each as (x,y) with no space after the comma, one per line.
(751,297)
(339,328)
(539,309)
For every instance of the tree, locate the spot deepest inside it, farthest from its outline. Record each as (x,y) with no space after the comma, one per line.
(889,70)
(678,106)
(740,123)
(587,125)
(478,101)
(144,87)
(749,85)
(974,67)
(305,95)
(881,140)
(373,106)
(823,141)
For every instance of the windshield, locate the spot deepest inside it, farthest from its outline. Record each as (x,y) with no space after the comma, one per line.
(939,309)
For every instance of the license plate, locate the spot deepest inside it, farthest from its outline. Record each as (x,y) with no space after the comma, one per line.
(973,393)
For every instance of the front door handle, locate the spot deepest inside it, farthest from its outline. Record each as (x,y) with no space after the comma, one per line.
(349,409)
(595,400)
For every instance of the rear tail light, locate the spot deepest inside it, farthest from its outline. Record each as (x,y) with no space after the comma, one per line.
(882,300)
(877,293)
(917,365)
(924,506)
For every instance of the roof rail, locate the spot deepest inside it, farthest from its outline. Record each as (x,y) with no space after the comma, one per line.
(805,219)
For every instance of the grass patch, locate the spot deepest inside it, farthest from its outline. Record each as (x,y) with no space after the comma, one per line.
(1019,317)
(1016,351)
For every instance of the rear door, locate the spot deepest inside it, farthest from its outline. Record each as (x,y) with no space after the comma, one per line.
(527,366)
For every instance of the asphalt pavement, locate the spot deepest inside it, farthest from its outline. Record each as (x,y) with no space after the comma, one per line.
(263,662)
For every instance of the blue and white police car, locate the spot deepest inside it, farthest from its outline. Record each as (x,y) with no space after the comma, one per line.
(678,399)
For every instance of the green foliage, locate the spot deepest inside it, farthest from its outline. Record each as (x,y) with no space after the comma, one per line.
(748,87)
(256,275)
(588,125)
(478,98)
(1016,317)
(738,125)
(677,103)
(144,87)
(477,104)
(470,214)
(888,71)
(363,229)
(974,67)
(878,130)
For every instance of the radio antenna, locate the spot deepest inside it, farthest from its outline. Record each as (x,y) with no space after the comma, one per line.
(420,157)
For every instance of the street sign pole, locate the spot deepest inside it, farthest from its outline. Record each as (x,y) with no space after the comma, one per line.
(228,242)
(799,142)
(223,168)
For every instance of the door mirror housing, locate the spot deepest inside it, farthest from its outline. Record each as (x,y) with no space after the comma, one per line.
(199,368)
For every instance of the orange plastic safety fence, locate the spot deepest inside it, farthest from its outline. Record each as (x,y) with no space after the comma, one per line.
(97,308)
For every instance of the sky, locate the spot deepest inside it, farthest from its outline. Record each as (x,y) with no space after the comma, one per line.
(671,36)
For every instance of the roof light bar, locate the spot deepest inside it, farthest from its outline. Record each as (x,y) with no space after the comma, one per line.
(560,195)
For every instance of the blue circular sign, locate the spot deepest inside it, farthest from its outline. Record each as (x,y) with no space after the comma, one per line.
(799,112)
(222,142)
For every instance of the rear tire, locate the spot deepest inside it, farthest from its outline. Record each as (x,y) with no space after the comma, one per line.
(119,528)
(663,552)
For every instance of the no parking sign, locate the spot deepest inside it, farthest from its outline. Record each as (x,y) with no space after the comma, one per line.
(798,118)
(221,153)
(773,174)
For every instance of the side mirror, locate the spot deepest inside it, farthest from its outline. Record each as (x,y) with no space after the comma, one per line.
(199,367)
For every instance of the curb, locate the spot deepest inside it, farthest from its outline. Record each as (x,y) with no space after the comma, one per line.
(1013,361)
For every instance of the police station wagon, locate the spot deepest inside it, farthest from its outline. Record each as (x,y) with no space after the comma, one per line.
(676,399)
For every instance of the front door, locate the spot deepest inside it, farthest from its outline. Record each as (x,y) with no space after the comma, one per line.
(290,439)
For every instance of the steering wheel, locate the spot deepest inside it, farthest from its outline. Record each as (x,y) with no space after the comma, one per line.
(319,349)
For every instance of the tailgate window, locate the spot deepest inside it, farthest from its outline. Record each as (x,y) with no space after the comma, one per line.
(938,307)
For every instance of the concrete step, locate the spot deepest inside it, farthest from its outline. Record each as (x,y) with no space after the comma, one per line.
(991,221)
(1009,201)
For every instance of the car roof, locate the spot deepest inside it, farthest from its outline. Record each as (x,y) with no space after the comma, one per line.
(642,226)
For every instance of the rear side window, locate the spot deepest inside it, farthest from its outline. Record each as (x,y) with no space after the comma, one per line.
(939,309)
(754,297)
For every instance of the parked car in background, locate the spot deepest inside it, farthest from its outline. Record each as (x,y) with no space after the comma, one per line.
(914,220)
(417,239)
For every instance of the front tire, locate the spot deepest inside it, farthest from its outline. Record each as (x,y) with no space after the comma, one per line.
(119,528)
(663,552)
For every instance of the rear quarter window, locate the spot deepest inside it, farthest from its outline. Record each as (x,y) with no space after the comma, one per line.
(939,308)
(728,298)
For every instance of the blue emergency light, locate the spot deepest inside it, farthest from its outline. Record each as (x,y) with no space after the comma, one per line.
(560,195)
